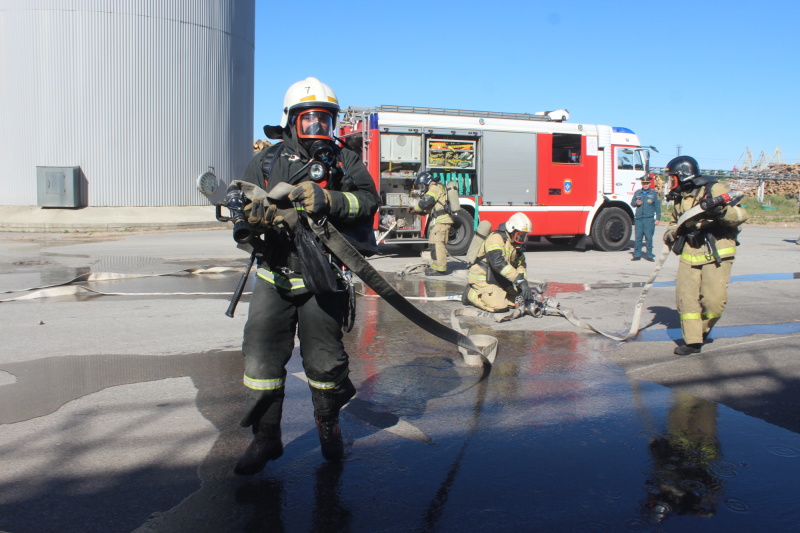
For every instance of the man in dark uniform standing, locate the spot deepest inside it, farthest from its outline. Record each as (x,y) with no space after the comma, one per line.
(329,181)
(648,213)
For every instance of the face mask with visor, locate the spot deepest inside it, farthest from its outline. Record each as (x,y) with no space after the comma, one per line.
(314,123)
(519,238)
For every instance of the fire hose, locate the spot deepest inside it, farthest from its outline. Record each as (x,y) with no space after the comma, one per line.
(705,205)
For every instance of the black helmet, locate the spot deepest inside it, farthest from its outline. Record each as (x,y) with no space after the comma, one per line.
(684,167)
(422,181)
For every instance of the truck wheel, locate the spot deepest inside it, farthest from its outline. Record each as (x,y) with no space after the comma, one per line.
(611,230)
(461,233)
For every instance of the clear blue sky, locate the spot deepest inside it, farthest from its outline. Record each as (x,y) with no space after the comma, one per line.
(712,77)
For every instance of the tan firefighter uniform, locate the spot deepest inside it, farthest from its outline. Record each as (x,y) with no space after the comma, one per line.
(491,277)
(701,290)
(439,229)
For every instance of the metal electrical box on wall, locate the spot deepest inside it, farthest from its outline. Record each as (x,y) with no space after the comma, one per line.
(58,186)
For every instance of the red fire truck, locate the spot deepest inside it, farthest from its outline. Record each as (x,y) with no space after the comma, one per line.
(572,180)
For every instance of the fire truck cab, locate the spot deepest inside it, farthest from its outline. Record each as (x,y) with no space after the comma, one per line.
(572,180)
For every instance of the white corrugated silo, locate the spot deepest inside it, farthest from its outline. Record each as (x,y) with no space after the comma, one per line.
(142,95)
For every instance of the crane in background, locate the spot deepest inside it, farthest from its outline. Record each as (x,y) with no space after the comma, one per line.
(746,161)
(777,157)
(765,167)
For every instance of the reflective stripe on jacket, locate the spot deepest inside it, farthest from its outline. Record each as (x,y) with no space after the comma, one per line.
(499,254)
(439,210)
(282,281)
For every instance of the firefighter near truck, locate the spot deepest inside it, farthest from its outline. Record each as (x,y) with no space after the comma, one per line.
(572,180)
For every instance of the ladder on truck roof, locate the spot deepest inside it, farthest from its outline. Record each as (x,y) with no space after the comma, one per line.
(544,116)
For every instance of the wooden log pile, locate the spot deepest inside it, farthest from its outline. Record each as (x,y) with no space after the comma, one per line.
(782,188)
(787,170)
(749,186)
(260,144)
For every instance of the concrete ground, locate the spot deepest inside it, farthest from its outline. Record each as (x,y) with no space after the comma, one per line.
(750,364)
(79,375)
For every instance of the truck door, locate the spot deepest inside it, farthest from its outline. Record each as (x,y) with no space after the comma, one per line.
(567,173)
(629,166)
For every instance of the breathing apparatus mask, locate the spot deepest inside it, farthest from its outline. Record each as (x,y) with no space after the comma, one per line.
(520,240)
(323,158)
(422,182)
(682,171)
(314,130)
(314,123)
(518,227)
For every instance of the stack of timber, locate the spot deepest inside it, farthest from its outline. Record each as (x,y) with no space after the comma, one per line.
(260,144)
(776,187)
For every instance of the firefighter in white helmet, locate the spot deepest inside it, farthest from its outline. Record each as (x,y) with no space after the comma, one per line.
(329,181)
(499,274)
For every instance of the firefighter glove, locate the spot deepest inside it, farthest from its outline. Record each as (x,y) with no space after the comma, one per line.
(670,235)
(523,288)
(260,214)
(314,199)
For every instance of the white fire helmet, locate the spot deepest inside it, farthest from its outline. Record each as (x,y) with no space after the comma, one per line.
(518,227)
(307,94)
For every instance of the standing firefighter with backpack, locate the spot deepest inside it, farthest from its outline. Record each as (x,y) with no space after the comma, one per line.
(329,181)
(706,244)
(434,202)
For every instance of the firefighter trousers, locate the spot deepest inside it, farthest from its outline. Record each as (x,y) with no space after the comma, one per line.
(438,239)
(701,292)
(273,318)
(489,297)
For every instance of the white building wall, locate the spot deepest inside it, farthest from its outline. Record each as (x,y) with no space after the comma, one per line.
(143,95)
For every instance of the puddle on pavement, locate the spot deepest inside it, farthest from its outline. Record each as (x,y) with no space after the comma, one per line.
(721,332)
(165,277)
(554,438)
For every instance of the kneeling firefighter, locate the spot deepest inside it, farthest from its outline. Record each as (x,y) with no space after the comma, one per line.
(706,244)
(498,276)
(329,181)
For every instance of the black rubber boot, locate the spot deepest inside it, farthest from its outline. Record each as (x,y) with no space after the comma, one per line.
(432,272)
(265,446)
(327,404)
(465,296)
(330,437)
(688,349)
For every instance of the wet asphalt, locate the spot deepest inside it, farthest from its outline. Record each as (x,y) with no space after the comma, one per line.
(119,412)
